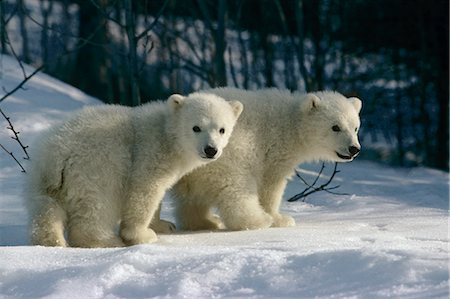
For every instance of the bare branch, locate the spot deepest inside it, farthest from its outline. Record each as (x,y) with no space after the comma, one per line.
(155,21)
(147,50)
(27,77)
(107,15)
(16,134)
(82,41)
(13,13)
(197,70)
(7,94)
(12,155)
(172,33)
(14,53)
(311,188)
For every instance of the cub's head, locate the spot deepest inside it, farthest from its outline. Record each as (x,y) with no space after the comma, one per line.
(203,123)
(333,123)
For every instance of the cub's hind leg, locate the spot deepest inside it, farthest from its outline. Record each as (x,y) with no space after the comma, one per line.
(80,235)
(93,223)
(48,222)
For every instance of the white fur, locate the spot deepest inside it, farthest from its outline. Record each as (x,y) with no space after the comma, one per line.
(277,131)
(111,164)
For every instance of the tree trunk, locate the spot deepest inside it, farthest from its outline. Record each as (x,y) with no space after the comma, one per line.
(398,108)
(23,31)
(219,58)
(289,74)
(133,71)
(266,43)
(66,23)
(46,10)
(300,47)
(243,49)
(319,59)
(268,59)
(2,27)
(92,65)
(424,119)
(120,69)
(441,50)
(442,93)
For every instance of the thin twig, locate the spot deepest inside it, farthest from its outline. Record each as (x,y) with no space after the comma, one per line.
(13,13)
(311,188)
(192,67)
(172,33)
(105,14)
(16,135)
(13,52)
(155,21)
(81,41)
(28,77)
(12,155)
(147,50)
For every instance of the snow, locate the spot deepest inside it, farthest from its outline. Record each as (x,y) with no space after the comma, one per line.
(387,238)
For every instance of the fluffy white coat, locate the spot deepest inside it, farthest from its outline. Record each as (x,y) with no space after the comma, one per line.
(112,164)
(277,131)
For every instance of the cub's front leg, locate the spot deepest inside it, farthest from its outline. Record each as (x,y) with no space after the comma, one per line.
(270,197)
(138,212)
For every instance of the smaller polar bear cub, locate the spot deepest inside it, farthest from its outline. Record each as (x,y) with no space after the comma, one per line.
(113,164)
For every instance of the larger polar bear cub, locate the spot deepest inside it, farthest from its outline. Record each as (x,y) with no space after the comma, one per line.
(111,164)
(277,131)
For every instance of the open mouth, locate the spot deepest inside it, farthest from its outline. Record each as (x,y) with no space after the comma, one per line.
(204,157)
(344,157)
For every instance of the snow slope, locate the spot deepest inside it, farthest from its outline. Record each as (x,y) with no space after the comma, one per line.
(388,238)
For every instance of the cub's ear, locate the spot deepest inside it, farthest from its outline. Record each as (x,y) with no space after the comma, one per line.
(237,108)
(310,102)
(357,103)
(175,101)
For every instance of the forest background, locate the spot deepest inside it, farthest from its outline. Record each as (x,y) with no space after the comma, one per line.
(393,54)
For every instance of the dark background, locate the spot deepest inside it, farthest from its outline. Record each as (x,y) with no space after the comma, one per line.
(393,54)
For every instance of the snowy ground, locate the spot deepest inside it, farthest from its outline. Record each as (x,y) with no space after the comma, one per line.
(388,238)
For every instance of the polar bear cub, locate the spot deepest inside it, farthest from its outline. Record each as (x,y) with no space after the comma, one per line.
(277,131)
(112,164)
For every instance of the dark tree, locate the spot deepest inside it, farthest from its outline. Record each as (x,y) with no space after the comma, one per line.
(92,66)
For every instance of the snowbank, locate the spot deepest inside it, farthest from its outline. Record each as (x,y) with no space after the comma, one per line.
(388,238)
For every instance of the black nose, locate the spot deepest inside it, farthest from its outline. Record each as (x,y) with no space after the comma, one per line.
(354,150)
(210,152)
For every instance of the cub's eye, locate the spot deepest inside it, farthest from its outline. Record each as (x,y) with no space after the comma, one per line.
(222,131)
(336,128)
(356,130)
(196,129)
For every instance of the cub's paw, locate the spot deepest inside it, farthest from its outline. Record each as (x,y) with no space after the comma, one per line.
(208,223)
(114,241)
(213,222)
(254,221)
(133,236)
(280,220)
(163,227)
